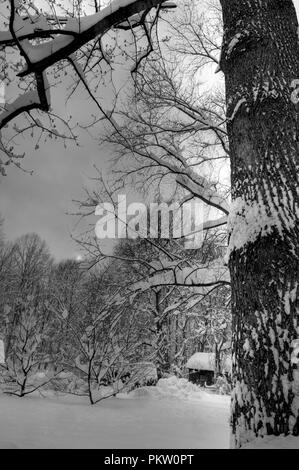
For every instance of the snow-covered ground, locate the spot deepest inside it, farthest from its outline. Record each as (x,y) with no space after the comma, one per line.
(173,415)
(167,416)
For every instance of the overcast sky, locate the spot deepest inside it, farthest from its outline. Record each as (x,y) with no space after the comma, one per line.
(39,202)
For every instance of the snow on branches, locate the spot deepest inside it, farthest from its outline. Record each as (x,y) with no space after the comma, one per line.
(28,34)
(201,277)
(34,40)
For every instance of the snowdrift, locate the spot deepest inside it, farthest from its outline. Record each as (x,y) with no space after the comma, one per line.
(166,388)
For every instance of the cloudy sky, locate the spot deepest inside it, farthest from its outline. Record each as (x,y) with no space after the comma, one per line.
(40,202)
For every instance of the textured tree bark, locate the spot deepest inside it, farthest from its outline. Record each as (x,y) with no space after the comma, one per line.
(260,60)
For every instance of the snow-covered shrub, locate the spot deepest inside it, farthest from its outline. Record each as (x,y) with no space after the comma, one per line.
(103,359)
(26,334)
(177,371)
(175,386)
(140,374)
(170,387)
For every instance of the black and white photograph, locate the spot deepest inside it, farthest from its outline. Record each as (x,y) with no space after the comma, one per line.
(149,227)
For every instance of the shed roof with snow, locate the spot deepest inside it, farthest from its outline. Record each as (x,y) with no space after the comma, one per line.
(201,361)
(206,361)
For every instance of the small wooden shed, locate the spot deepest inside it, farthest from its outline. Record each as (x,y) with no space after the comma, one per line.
(201,368)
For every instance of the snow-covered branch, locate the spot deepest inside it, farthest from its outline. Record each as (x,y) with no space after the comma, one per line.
(172,274)
(83,29)
(33,99)
(39,55)
(201,188)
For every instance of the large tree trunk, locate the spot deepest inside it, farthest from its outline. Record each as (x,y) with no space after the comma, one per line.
(260,59)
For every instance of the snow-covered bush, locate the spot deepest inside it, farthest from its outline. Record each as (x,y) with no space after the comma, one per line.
(139,374)
(169,387)
(26,335)
(102,359)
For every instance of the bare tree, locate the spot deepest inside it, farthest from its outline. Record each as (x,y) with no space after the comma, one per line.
(105,347)
(28,263)
(26,335)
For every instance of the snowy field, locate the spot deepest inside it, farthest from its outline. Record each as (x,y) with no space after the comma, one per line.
(173,415)
(154,417)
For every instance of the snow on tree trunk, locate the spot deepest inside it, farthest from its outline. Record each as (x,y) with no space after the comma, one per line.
(260,60)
